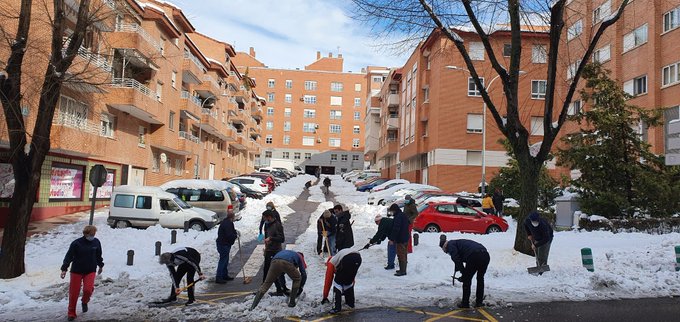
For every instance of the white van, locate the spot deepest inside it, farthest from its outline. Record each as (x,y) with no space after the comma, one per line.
(144,206)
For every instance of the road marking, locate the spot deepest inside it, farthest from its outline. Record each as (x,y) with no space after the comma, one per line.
(451,314)
(487,315)
(254,262)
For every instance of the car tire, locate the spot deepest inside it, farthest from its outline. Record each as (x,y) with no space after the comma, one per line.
(432,228)
(196,225)
(493,229)
(121,224)
(381,202)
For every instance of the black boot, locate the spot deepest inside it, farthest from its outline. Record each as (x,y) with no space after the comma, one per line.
(402,269)
(291,299)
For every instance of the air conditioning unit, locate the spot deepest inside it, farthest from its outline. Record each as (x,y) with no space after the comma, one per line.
(318,141)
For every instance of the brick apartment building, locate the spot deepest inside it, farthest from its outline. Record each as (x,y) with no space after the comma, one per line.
(310,110)
(154,101)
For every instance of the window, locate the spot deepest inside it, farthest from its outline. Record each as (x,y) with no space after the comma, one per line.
(336,101)
(334,142)
(635,38)
(474,123)
(141,136)
(601,12)
(286,112)
(309,99)
(143,202)
(336,87)
(173,79)
(334,157)
(288,98)
(155,163)
(507,50)
(670,74)
(267,154)
(355,157)
(335,128)
(271,83)
(476,51)
(309,113)
(357,129)
(124,201)
(357,102)
(161,46)
(270,111)
(575,30)
(536,125)
(289,83)
(270,97)
(159,91)
(574,108)
(179,167)
(269,139)
(72,113)
(286,126)
(671,19)
(602,54)
(309,127)
(357,116)
(336,114)
(171,120)
(296,155)
(539,54)
(107,125)
(426,94)
(571,70)
(286,155)
(310,85)
(636,86)
(343,157)
(308,156)
(377,79)
(538,89)
(355,143)
(270,125)
(472,87)
(357,87)
(473,158)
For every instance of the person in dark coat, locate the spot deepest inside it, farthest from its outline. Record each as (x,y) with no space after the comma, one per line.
(187,260)
(399,237)
(540,234)
(341,270)
(476,260)
(317,173)
(344,236)
(270,207)
(326,228)
(326,185)
(226,236)
(272,242)
(84,255)
(384,230)
(498,199)
(411,211)
(286,262)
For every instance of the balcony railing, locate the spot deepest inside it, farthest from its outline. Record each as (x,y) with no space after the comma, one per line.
(133,27)
(94,59)
(211,112)
(83,125)
(188,136)
(132,83)
(195,60)
(210,79)
(196,100)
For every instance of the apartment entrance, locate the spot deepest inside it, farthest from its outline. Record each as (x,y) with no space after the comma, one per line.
(211,172)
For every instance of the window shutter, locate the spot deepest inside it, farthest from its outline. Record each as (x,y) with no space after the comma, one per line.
(476,51)
(336,100)
(628,87)
(474,123)
(628,41)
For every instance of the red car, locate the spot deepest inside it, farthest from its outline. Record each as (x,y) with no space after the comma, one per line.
(450,216)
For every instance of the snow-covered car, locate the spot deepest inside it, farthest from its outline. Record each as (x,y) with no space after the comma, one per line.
(254,183)
(510,202)
(216,195)
(388,184)
(401,194)
(378,197)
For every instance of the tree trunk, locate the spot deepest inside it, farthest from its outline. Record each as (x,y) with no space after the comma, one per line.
(529,171)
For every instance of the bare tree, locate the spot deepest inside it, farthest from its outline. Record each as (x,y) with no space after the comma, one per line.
(28,147)
(415,19)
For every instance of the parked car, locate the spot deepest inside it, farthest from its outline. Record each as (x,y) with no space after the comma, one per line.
(241,197)
(366,175)
(401,194)
(144,206)
(370,185)
(299,170)
(250,193)
(423,196)
(216,195)
(279,174)
(378,197)
(268,179)
(449,216)
(289,173)
(388,184)
(252,183)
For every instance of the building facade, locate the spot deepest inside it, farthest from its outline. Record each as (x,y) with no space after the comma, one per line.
(310,110)
(149,98)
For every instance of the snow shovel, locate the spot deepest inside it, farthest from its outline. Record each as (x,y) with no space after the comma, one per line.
(325,238)
(538,270)
(246,280)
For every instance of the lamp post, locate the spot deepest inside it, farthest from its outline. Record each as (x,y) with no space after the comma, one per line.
(208,106)
(486,87)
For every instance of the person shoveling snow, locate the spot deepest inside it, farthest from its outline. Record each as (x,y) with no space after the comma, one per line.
(540,234)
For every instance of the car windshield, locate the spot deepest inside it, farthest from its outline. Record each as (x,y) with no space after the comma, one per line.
(181,203)
(422,207)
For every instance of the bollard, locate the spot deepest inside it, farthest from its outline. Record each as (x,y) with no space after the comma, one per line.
(415,239)
(587,259)
(173,237)
(186,226)
(677,258)
(130,257)
(442,240)
(158,248)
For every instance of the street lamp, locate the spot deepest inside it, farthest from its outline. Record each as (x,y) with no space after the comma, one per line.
(486,87)
(204,106)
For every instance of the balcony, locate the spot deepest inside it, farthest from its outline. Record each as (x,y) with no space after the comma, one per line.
(392,100)
(389,149)
(256,112)
(192,69)
(393,122)
(133,36)
(187,142)
(132,97)
(87,58)
(372,145)
(240,143)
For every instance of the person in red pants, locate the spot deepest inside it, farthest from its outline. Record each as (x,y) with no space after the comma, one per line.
(84,256)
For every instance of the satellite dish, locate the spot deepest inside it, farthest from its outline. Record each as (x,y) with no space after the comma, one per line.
(164,158)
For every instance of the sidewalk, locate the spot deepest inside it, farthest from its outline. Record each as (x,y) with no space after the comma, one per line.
(43,226)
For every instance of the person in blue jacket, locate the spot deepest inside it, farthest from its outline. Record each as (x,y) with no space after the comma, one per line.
(476,260)
(540,234)
(287,262)
(399,237)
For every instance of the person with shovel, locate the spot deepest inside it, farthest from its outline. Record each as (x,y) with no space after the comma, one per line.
(341,270)
(270,207)
(186,260)
(287,262)
(540,234)
(384,230)
(326,227)
(476,260)
(272,245)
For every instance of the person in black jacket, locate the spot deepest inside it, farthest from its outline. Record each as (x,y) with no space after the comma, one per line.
(384,230)
(344,236)
(326,227)
(270,207)
(498,199)
(327,185)
(476,260)
(540,234)
(84,255)
(399,236)
(187,261)
(272,245)
(226,236)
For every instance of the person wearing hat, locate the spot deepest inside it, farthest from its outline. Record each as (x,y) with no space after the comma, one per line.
(399,237)
(384,230)
(411,211)
(286,262)
(476,260)
(84,255)
(187,261)
(326,227)
(272,208)
(344,236)
(540,234)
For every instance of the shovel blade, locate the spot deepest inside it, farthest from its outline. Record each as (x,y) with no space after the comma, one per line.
(538,269)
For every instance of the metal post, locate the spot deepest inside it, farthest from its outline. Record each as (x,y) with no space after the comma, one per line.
(677,258)
(587,259)
(173,237)
(158,248)
(130,257)
(415,239)
(484,147)
(94,200)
